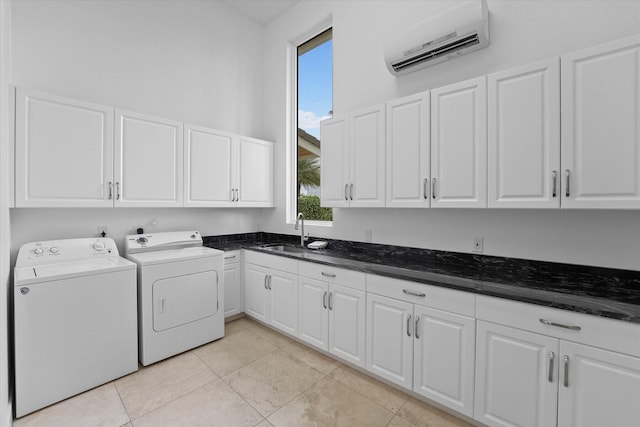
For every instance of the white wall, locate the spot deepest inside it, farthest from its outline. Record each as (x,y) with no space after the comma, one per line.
(193,61)
(522,31)
(6,412)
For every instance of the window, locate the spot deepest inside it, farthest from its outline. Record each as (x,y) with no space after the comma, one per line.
(314,103)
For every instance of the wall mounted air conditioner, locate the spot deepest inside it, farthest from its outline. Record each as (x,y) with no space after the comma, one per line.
(452,33)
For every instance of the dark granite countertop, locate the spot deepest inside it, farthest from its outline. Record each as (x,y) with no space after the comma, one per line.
(604,292)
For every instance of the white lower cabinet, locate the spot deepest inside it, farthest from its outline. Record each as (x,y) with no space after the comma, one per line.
(554,367)
(332,311)
(427,349)
(232,284)
(271,294)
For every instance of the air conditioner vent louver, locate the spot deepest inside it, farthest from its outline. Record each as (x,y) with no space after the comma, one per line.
(455,32)
(437,52)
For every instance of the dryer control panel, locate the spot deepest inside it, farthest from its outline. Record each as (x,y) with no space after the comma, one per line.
(136,243)
(67,250)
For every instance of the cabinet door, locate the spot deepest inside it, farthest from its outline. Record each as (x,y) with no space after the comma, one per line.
(347,323)
(148,161)
(64,152)
(314,313)
(408,151)
(283,301)
(600,119)
(367,161)
(390,339)
(444,358)
(524,136)
(334,163)
(598,388)
(255,180)
(208,168)
(516,377)
(255,288)
(459,145)
(232,290)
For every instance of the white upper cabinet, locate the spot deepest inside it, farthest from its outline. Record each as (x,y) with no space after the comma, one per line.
(459,145)
(208,167)
(366,188)
(524,136)
(600,119)
(64,152)
(408,151)
(334,162)
(148,161)
(254,182)
(353,159)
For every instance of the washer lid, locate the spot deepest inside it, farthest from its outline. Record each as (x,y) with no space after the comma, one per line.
(160,257)
(58,271)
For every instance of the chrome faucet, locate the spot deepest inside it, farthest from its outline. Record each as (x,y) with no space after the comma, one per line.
(303,238)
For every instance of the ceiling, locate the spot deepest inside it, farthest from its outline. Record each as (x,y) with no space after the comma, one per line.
(262,11)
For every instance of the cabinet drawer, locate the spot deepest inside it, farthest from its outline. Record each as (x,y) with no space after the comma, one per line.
(231,257)
(348,278)
(271,261)
(616,335)
(434,296)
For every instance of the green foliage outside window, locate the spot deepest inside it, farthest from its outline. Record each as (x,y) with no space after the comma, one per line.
(310,207)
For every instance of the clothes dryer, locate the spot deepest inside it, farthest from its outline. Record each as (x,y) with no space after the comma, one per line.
(180,293)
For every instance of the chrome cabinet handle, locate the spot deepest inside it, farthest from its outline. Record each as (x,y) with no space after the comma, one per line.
(415,331)
(560,325)
(230,257)
(324,300)
(425,184)
(567,174)
(346,187)
(552,357)
(433,188)
(237,194)
(328,274)
(265,282)
(330,301)
(233,194)
(117,191)
(554,179)
(408,292)
(408,325)
(269,282)
(351,191)
(110,190)
(566,371)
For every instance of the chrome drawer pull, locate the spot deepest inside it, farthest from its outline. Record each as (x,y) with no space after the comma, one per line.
(230,257)
(566,371)
(346,187)
(351,191)
(415,331)
(552,356)
(567,174)
(433,188)
(110,190)
(265,281)
(328,274)
(324,300)
(408,292)
(554,177)
(117,191)
(559,325)
(425,185)
(330,301)
(408,325)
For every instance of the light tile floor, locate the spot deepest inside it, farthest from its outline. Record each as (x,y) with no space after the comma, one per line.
(253,376)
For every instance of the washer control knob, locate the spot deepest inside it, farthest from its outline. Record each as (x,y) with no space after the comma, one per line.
(38,251)
(54,249)
(142,240)
(99,246)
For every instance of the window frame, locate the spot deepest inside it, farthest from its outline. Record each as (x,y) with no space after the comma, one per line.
(292,122)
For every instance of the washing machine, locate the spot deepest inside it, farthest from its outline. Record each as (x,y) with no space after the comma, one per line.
(180,293)
(75,319)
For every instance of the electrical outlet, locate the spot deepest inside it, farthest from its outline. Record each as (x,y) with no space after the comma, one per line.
(478,244)
(368,236)
(102,229)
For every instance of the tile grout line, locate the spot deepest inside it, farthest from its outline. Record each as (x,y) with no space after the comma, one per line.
(122,402)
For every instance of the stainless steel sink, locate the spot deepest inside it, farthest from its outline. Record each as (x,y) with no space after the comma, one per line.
(285,248)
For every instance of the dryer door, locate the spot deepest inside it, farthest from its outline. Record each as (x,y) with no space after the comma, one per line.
(183,299)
